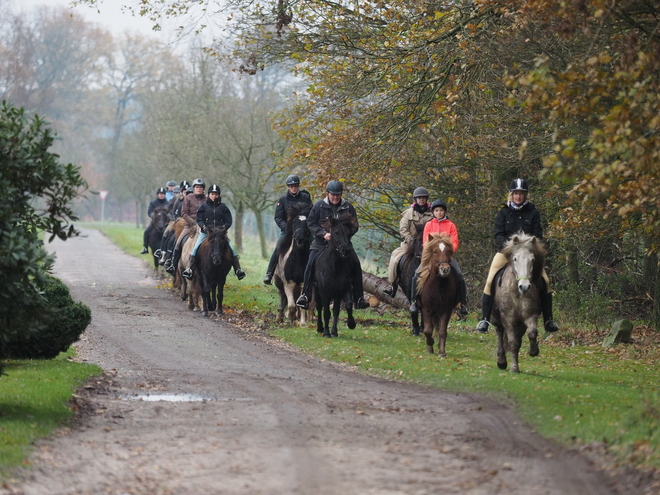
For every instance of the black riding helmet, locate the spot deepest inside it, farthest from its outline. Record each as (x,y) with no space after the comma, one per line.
(184,185)
(161,190)
(518,185)
(420,192)
(214,188)
(293,180)
(334,187)
(438,202)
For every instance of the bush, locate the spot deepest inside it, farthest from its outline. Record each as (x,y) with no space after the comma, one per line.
(68,321)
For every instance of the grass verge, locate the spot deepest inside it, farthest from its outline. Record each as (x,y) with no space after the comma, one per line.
(576,391)
(34,397)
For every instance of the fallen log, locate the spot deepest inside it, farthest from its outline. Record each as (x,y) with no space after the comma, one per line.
(374,286)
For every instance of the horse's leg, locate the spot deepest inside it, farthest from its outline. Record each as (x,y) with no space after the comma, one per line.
(416,328)
(336,308)
(501,348)
(515,341)
(442,333)
(290,301)
(213,302)
(319,318)
(221,294)
(350,321)
(326,318)
(428,331)
(280,307)
(184,289)
(532,335)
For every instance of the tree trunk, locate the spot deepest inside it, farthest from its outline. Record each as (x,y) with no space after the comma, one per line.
(262,234)
(238,228)
(374,285)
(572,265)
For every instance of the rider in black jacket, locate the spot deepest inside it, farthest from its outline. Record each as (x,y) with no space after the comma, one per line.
(515,216)
(213,214)
(159,201)
(333,205)
(293,196)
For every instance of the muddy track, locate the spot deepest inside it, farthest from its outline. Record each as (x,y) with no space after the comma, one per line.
(245,416)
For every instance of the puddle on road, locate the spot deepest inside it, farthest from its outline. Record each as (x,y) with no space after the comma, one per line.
(181,398)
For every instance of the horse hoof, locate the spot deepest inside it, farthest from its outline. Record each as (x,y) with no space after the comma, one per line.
(205,313)
(534,352)
(351,323)
(327,335)
(416,333)
(429,349)
(335,334)
(501,366)
(443,355)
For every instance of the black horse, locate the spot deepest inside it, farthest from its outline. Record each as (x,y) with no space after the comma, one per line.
(159,221)
(293,253)
(407,268)
(214,260)
(333,274)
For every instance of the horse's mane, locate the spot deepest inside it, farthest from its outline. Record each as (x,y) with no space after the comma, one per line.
(212,236)
(292,212)
(345,219)
(427,255)
(412,246)
(536,245)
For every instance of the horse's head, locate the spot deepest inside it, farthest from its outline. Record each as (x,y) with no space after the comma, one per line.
(297,222)
(159,218)
(217,239)
(437,254)
(526,256)
(340,229)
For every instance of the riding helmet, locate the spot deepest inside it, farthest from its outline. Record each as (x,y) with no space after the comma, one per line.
(420,192)
(334,187)
(438,202)
(518,185)
(170,183)
(190,190)
(199,182)
(161,190)
(184,185)
(176,190)
(293,180)
(214,188)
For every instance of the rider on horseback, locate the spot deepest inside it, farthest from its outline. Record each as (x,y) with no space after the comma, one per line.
(191,204)
(159,201)
(515,216)
(333,205)
(412,219)
(213,214)
(293,196)
(440,223)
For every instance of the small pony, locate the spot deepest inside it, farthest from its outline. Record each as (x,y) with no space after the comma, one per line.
(293,253)
(159,221)
(517,303)
(214,262)
(410,264)
(437,289)
(333,275)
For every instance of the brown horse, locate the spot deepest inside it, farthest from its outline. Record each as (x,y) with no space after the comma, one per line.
(437,289)
(517,304)
(190,289)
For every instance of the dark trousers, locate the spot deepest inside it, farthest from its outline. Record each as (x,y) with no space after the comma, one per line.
(147,233)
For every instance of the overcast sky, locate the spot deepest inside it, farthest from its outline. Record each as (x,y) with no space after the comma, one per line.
(110,15)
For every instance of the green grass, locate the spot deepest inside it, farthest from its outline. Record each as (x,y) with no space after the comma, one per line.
(576,391)
(33,402)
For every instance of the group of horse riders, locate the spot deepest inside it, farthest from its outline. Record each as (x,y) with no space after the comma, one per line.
(516,215)
(333,205)
(190,202)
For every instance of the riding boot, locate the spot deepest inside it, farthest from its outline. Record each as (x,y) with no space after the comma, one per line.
(188,272)
(486,307)
(546,304)
(268,279)
(145,240)
(175,261)
(240,274)
(413,295)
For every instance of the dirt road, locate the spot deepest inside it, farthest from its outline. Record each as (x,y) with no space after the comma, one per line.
(273,421)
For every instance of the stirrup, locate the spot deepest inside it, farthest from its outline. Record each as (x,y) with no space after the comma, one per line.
(170,269)
(362,304)
(302,302)
(389,291)
(413,307)
(240,274)
(482,327)
(268,279)
(158,253)
(187,273)
(144,251)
